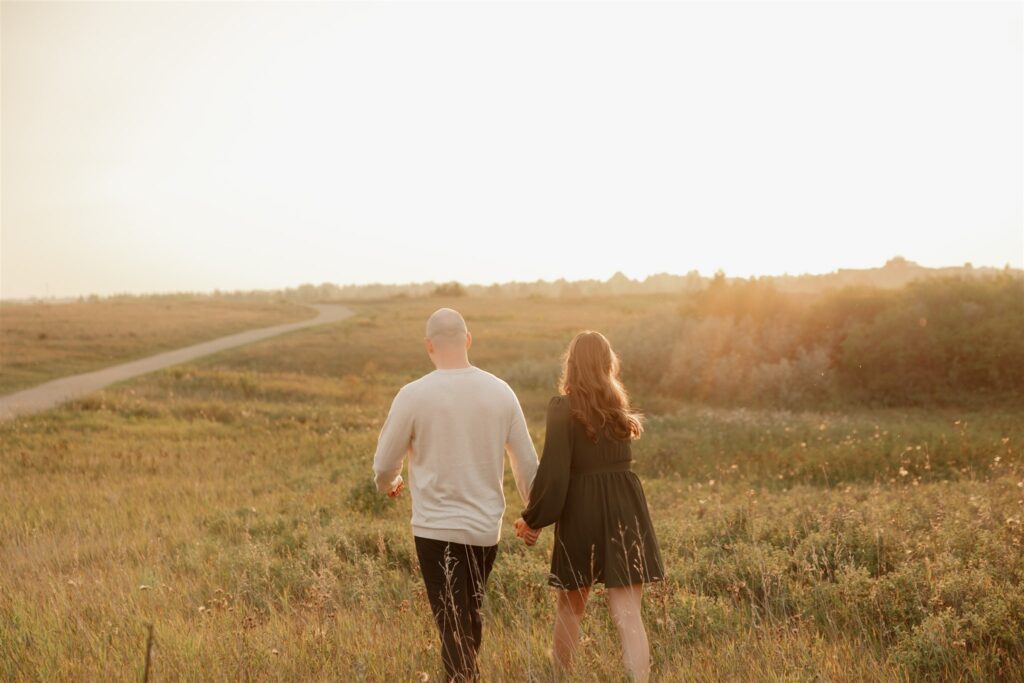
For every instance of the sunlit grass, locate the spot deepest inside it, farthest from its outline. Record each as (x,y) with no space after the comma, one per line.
(228,502)
(39,342)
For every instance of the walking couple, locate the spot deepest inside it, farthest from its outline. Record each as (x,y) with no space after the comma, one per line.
(455,425)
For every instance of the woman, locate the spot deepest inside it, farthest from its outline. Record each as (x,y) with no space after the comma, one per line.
(585,487)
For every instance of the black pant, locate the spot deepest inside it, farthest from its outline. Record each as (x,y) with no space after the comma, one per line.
(456,575)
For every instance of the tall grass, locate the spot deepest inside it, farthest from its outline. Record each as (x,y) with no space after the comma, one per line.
(40,342)
(228,503)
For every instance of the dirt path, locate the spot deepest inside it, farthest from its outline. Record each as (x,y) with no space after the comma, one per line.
(57,391)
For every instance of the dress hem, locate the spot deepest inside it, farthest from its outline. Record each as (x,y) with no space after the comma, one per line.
(562,586)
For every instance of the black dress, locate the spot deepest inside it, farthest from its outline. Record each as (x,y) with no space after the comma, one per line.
(603,530)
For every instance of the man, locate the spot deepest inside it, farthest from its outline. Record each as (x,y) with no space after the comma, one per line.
(455,424)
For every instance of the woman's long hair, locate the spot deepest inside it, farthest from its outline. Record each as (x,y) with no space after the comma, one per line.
(590,378)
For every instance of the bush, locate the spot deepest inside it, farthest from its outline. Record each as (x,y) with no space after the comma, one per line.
(449,289)
(939,341)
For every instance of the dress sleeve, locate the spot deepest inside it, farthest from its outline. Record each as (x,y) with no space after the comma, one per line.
(547,495)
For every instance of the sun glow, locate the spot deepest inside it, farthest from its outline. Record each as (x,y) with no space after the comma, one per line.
(192,146)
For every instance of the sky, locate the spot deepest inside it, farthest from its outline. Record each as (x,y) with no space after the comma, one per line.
(156,147)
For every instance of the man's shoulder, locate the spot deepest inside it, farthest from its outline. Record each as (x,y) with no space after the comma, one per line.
(490,376)
(410,388)
(498,383)
(481,379)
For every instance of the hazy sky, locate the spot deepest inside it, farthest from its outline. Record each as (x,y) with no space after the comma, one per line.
(192,146)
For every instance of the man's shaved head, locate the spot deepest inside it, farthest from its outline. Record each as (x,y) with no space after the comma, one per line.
(446,326)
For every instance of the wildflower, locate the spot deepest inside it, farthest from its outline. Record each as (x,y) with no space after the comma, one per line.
(903,471)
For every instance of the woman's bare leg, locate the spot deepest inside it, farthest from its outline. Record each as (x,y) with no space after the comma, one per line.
(569,609)
(624,605)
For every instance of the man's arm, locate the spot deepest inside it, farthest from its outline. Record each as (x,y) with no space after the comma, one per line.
(522,454)
(392,445)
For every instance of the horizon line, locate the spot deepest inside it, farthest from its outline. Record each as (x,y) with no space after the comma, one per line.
(219,291)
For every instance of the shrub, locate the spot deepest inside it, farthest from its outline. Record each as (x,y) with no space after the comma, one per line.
(937,341)
(449,289)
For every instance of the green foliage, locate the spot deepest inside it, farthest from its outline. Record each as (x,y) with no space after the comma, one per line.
(939,341)
(363,497)
(229,502)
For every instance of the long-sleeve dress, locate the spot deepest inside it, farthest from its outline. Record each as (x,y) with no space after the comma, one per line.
(603,530)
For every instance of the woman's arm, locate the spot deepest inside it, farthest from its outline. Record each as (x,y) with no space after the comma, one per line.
(547,495)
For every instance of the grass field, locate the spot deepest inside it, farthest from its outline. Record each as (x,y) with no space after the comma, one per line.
(228,503)
(40,342)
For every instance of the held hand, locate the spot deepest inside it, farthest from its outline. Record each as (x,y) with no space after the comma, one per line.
(519,524)
(524,532)
(393,493)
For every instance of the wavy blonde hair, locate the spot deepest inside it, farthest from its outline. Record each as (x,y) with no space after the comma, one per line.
(597,398)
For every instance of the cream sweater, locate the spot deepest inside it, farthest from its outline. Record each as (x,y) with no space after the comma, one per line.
(455,426)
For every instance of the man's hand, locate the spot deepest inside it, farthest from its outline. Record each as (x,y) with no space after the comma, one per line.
(524,532)
(397,487)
